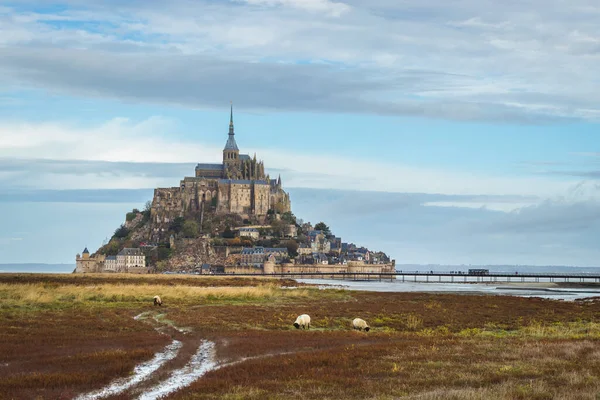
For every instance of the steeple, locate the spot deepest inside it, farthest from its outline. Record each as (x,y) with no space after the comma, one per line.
(231,120)
(231,145)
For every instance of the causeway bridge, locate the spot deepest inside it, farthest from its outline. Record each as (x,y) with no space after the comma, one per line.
(439,277)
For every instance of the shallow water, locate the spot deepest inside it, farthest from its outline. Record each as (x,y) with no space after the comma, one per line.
(469,288)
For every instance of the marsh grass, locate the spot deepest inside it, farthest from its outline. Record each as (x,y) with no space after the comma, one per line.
(65,335)
(23,294)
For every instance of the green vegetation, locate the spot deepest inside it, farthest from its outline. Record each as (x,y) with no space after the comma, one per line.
(321,226)
(190,229)
(163,253)
(130,216)
(292,247)
(228,233)
(176,225)
(121,232)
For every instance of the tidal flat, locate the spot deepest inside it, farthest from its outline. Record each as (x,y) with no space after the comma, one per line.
(100,336)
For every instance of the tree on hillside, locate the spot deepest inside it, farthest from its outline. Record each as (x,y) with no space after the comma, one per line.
(121,232)
(177,224)
(190,229)
(277,227)
(288,217)
(292,247)
(321,226)
(112,248)
(228,233)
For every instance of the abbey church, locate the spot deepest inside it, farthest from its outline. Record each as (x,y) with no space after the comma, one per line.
(238,185)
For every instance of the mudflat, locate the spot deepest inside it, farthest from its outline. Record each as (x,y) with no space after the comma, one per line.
(100,336)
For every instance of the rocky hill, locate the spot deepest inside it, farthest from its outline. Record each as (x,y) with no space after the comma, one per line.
(192,240)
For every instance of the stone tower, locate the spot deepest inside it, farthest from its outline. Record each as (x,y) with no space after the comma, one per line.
(231,153)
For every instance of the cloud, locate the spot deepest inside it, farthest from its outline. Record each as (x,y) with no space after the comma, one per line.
(325,6)
(550,233)
(124,154)
(464,60)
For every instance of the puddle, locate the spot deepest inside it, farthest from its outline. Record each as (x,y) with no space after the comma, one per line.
(200,363)
(140,373)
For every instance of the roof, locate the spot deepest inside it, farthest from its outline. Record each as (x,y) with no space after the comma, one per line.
(130,252)
(213,167)
(248,230)
(231,144)
(263,250)
(111,257)
(243,181)
(85,251)
(244,157)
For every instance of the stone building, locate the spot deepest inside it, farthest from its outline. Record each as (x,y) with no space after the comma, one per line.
(110,264)
(237,185)
(252,233)
(89,264)
(128,260)
(256,256)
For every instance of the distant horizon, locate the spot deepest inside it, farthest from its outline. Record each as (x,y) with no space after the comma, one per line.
(4,265)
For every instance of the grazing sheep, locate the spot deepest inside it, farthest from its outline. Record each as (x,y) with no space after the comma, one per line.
(302,321)
(157,301)
(360,324)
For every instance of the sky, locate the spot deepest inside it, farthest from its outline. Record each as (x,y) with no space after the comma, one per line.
(459,132)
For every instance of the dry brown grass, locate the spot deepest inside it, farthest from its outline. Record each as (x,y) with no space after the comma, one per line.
(40,293)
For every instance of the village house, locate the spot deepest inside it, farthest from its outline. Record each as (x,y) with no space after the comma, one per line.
(256,256)
(130,258)
(320,245)
(290,231)
(110,264)
(320,258)
(252,233)
(304,249)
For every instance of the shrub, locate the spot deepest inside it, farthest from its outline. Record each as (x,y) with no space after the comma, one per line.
(190,229)
(228,233)
(121,232)
(177,224)
(163,253)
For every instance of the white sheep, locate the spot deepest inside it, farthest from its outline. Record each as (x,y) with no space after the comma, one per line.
(157,301)
(302,321)
(360,324)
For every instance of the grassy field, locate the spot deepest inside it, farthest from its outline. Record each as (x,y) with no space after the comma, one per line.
(63,335)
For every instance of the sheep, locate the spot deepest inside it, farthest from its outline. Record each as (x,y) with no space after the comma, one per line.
(157,301)
(302,321)
(360,324)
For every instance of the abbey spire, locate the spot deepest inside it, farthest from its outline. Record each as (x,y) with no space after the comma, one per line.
(231,144)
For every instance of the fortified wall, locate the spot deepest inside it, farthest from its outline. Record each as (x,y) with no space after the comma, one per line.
(269,267)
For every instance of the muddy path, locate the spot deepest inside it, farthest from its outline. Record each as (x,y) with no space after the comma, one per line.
(186,358)
(178,364)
